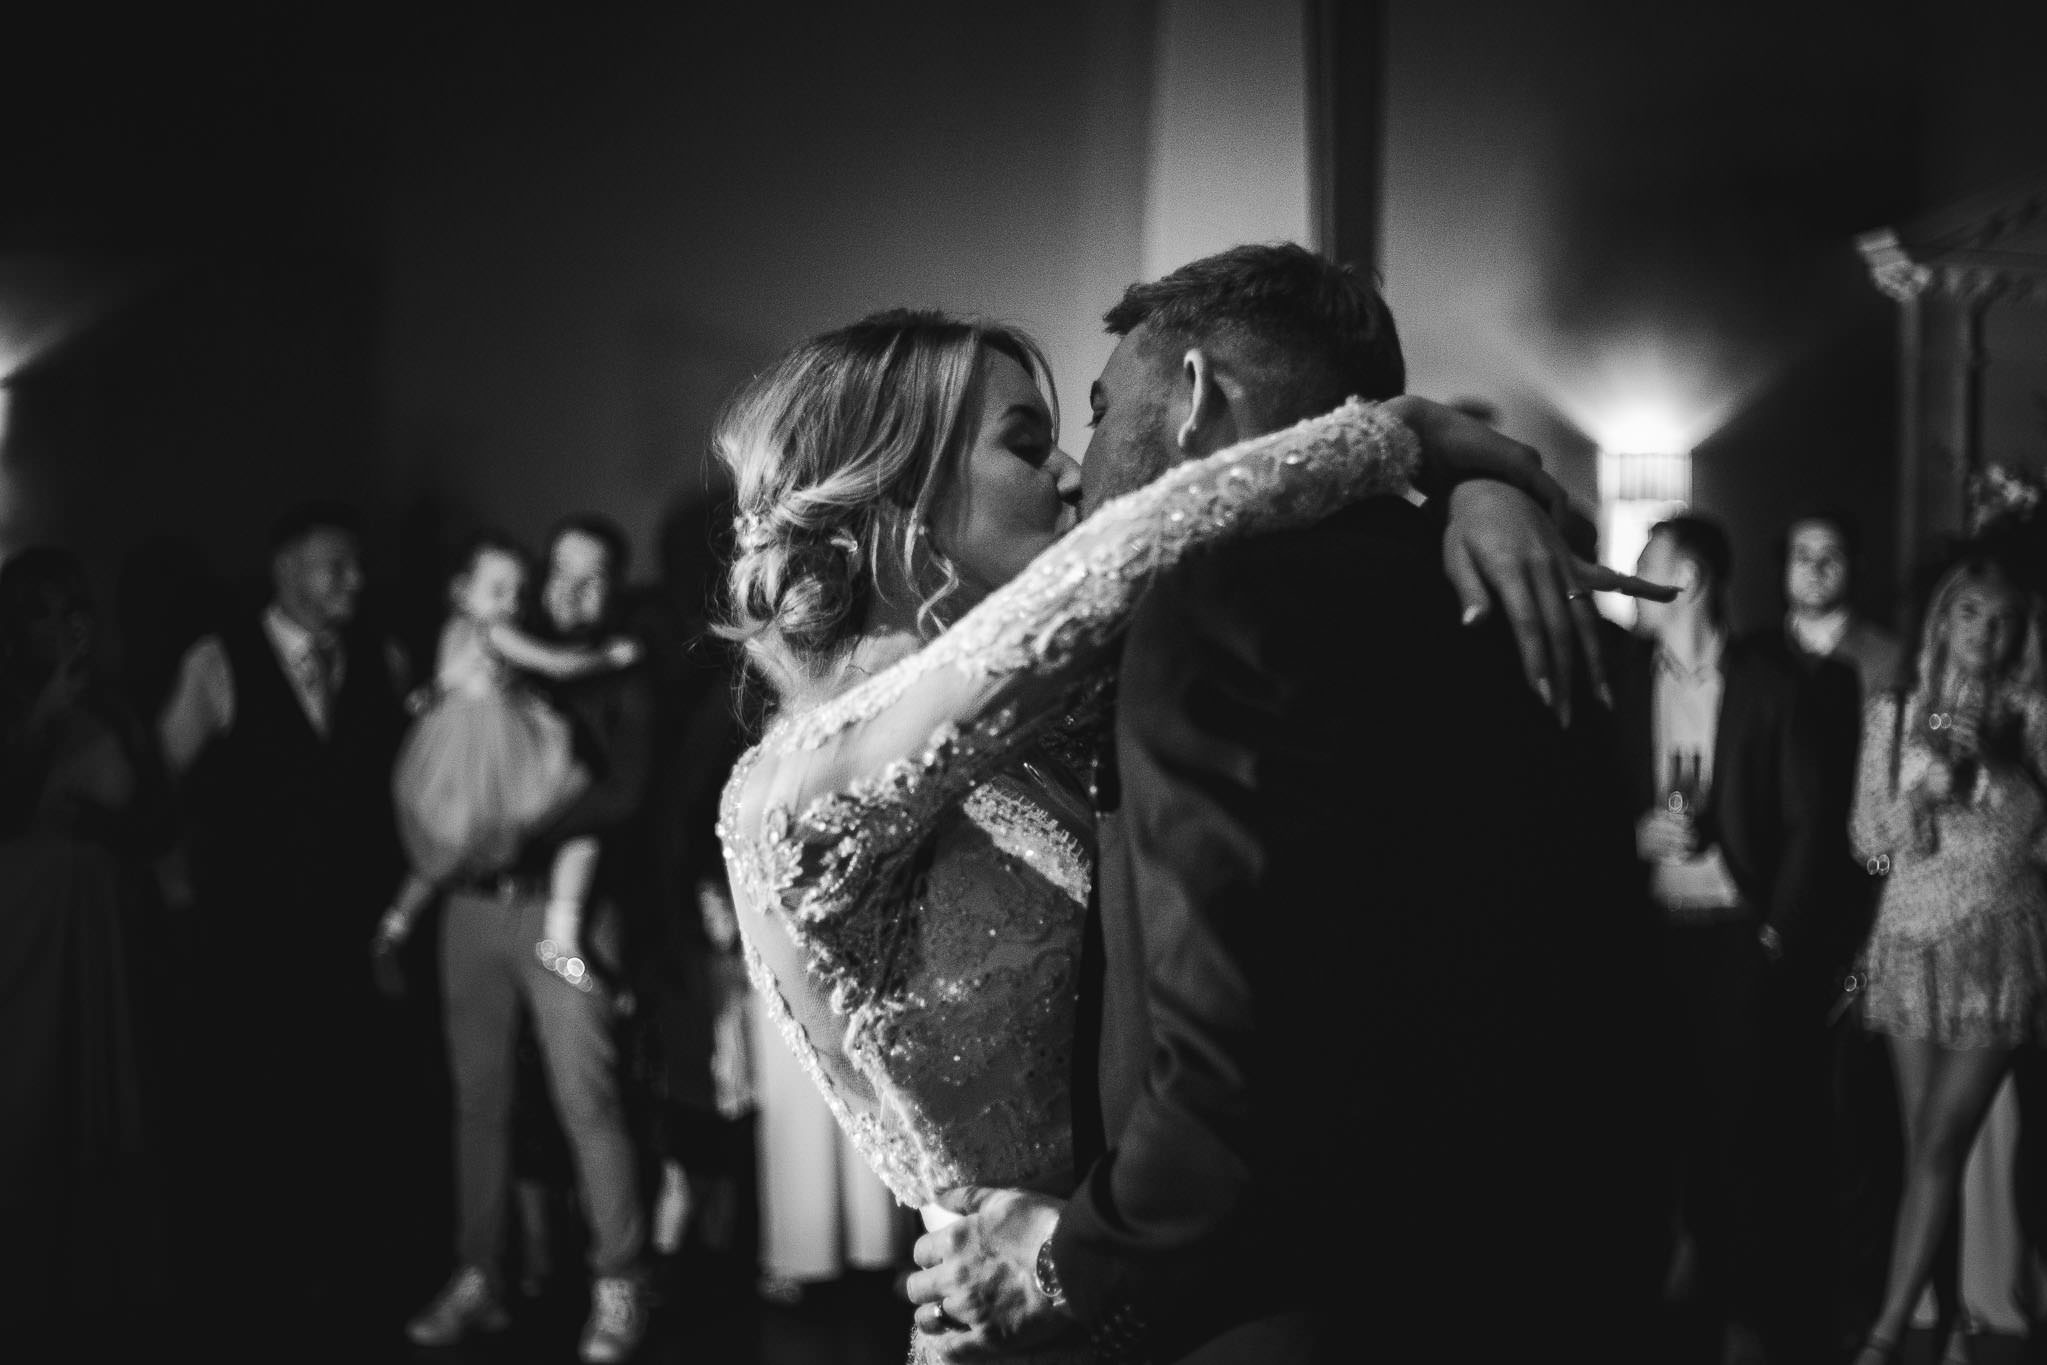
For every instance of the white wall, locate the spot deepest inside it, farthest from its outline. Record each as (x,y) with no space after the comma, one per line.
(1229,129)
(596,230)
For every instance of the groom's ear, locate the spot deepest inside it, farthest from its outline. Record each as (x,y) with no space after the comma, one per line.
(1213,414)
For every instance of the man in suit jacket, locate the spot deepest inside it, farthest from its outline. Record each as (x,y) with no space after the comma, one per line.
(1363,969)
(1846,659)
(1741,826)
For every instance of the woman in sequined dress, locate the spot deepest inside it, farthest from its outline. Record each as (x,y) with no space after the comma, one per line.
(911,842)
(1951,801)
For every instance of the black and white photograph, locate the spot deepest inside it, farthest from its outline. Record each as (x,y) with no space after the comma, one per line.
(1091,682)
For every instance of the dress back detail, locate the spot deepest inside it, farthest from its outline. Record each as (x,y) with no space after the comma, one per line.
(928,987)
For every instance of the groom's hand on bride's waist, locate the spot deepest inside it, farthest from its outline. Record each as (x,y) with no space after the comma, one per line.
(977,1280)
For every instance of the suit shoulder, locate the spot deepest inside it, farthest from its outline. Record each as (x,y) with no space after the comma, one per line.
(1348,543)
(1360,570)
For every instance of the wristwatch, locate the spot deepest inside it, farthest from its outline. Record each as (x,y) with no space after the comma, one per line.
(1047,1275)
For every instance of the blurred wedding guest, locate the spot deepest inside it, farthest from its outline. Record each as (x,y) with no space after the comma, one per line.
(1744,843)
(1845,658)
(817,1210)
(281,728)
(495,965)
(1949,805)
(83,1237)
(712,1142)
(823,1211)
(701,1072)
(166,597)
(1839,655)
(488,760)
(1989,1281)
(1820,557)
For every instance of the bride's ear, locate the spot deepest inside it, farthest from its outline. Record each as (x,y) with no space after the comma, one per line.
(1210,422)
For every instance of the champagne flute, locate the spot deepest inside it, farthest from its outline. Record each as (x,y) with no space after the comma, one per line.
(1972,693)
(1683,798)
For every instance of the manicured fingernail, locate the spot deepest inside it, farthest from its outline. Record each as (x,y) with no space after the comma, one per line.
(1606,696)
(1542,690)
(1472,614)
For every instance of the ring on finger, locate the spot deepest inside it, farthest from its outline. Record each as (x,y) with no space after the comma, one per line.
(936,1318)
(1576,593)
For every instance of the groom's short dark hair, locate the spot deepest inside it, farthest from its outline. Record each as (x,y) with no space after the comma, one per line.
(1314,331)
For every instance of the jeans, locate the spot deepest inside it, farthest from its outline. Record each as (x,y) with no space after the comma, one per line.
(488,971)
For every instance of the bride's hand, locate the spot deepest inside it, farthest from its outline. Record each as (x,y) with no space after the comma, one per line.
(1501,546)
(1457,447)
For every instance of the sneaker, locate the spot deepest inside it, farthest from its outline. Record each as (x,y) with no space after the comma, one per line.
(462,1309)
(617,1321)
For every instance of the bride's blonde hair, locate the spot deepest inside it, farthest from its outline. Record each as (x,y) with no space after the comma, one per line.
(837,453)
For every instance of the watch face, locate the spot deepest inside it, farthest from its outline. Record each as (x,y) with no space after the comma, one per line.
(1048,1274)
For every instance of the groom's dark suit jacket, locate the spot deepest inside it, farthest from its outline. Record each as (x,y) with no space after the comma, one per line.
(1364,996)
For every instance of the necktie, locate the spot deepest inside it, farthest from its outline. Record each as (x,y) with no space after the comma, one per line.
(322,662)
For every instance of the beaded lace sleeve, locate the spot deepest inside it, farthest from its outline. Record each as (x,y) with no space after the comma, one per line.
(857,778)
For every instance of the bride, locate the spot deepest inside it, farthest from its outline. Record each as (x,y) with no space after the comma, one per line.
(911,841)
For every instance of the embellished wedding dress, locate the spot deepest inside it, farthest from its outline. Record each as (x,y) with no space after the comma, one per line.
(912,858)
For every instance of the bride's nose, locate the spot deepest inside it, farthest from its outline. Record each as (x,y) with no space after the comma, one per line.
(1066,476)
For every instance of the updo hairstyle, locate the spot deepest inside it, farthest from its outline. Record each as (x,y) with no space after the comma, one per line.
(837,454)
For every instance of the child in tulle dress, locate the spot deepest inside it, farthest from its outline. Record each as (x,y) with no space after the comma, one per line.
(489,760)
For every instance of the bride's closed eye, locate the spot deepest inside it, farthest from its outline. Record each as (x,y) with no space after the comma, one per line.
(1029,438)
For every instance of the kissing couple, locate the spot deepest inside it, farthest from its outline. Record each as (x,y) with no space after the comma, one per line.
(1193,877)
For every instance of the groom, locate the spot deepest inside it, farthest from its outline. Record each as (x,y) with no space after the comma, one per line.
(1362,1007)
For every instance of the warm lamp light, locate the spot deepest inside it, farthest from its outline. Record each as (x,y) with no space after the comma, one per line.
(1643,427)
(1637,477)
(1637,489)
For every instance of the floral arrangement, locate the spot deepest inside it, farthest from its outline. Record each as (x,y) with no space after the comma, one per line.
(2002,498)
(2003,517)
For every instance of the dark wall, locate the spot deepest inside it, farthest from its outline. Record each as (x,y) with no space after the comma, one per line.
(475,263)
(189,209)
(485,263)
(596,228)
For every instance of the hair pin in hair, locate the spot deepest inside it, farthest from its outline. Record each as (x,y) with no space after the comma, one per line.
(753,532)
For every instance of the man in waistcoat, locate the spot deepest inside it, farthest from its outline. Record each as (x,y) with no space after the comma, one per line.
(282,729)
